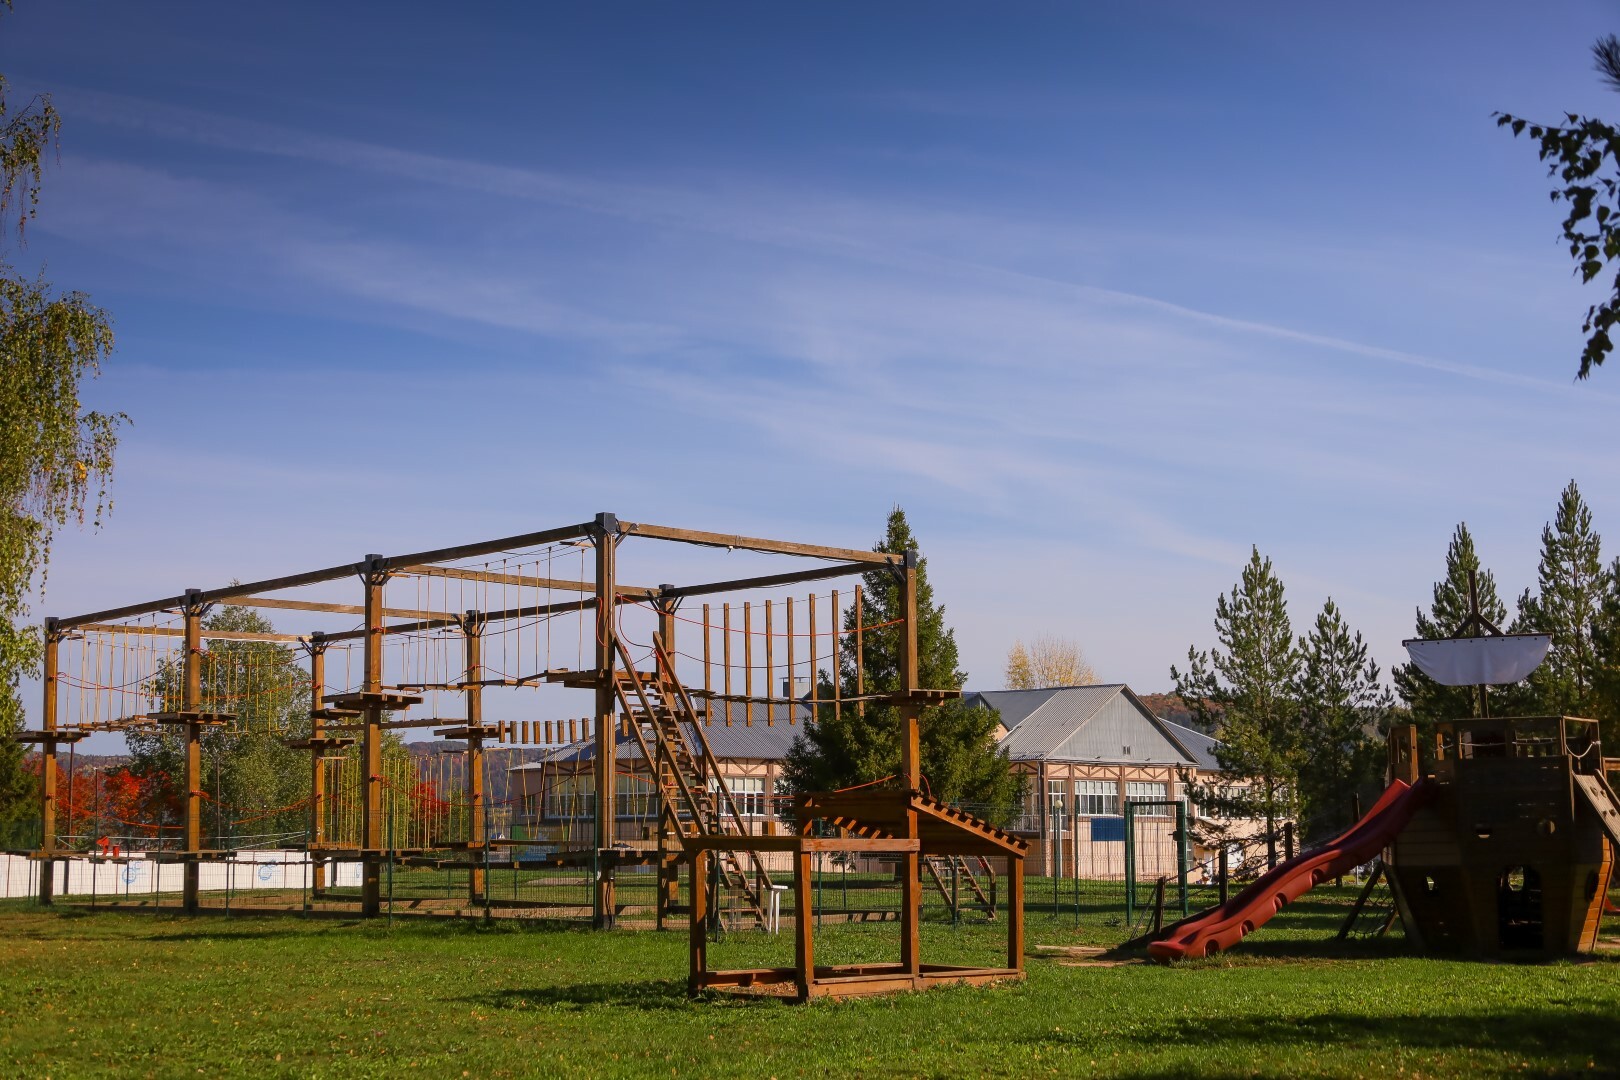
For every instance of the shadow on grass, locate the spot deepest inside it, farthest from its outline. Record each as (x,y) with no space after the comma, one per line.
(1558,1041)
(649,995)
(221,931)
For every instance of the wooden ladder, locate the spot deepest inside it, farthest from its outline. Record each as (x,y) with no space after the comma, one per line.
(696,799)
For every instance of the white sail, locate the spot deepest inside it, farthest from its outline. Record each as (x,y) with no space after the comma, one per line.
(1474,661)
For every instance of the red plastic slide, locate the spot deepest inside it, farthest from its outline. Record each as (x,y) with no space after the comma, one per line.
(1220,929)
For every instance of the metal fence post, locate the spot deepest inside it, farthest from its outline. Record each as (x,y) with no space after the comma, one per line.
(1130,863)
(956,897)
(1183,852)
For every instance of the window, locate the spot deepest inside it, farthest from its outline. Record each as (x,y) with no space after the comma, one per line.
(747,791)
(1057,797)
(636,797)
(572,797)
(1096,798)
(1148,791)
(1029,816)
(784,799)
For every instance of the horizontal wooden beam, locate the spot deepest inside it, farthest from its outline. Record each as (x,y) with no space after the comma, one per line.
(799,843)
(754,543)
(769,580)
(333,573)
(336,609)
(525,580)
(175,631)
(740,843)
(492,616)
(489,547)
(418,559)
(293,581)
(853,843)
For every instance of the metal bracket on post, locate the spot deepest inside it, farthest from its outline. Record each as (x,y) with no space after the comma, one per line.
(194,604)
(605,526)
(909,560)
(373,570)
(315,643)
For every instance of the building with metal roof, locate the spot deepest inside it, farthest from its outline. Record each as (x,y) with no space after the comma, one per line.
(1086,752)
(556,796)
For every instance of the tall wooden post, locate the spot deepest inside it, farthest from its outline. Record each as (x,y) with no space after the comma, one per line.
(472,628)
(371,813)
(192,705)
(669,845)
(606,534)
(316,647)
(697,922)
(47,772)
(1015,913)
(804,923)
(911,766)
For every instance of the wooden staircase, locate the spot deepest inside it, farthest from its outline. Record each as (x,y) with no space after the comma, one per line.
(696,800)
(940,868)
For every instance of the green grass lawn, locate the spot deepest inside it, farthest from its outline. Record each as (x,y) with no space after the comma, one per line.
(90,994)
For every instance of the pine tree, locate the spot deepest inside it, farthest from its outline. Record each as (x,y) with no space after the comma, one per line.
(960,762)
(1428,701)
(1343,709)
(1242,690)
(1572,584)
(1606,662)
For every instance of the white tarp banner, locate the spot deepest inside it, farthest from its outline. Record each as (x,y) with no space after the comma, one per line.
(1472,661)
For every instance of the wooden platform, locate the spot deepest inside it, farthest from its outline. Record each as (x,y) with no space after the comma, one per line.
(856,980)
(362,699)
(49,737)
(325,742)
(191,716)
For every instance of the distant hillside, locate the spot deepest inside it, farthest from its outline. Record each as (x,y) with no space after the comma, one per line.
(84,761)
(1171,708)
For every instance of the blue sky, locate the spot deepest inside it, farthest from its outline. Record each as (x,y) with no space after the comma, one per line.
(1101,298)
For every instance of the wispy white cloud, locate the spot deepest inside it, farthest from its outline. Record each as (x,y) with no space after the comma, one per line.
(908,238)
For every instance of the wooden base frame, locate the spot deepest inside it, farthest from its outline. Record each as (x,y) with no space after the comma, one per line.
(870,822)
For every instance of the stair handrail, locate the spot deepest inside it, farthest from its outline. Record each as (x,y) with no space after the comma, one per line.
(667,669)
(641,694)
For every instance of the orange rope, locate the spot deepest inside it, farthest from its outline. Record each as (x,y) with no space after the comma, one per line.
(869,783)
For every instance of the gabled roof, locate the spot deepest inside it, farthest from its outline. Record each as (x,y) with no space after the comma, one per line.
(1100,722)
(1202,746)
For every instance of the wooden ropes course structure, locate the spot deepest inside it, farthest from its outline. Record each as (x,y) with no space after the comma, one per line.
(544,617)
